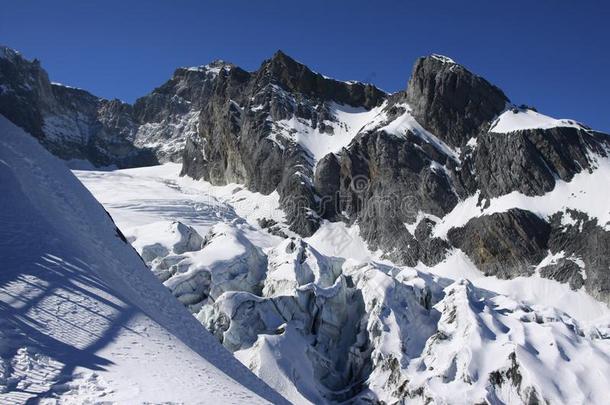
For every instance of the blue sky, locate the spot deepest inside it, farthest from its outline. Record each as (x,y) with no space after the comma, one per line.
(554,55)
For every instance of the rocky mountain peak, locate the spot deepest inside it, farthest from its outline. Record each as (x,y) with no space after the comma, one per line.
(295,77)
(291,75)
(213,68)
(6,52)
(280,58)
(450,101)
(442,58)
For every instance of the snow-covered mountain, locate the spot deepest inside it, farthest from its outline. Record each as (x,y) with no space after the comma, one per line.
(91,131)
(82,320)
(404,166)
(439,244)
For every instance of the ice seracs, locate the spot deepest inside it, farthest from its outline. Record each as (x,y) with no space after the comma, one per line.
(283,315)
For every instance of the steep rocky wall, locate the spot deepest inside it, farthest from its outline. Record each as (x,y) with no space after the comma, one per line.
(71,123)
(450,101)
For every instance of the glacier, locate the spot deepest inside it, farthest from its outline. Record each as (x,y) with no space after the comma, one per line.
(324,320)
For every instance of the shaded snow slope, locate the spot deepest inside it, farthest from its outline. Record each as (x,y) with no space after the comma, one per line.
(81,318)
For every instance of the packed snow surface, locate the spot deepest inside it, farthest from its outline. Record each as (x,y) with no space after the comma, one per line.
(520,119)
(82,320)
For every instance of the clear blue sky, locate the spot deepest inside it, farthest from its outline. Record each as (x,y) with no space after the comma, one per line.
(554,55)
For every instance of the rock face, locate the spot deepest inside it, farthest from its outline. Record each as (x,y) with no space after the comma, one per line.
(584,244)
(506,244)
(530,161)
(170,114)
(74,124)
(247,132)
(71,123)
(384,182)
(451,102)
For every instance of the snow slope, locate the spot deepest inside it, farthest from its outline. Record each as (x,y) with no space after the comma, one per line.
(520,119)
(81,317)
(348,121)
(146,197)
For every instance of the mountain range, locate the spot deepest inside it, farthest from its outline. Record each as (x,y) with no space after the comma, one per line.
(363,246)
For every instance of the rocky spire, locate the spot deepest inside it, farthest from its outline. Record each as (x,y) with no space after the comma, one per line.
(450,101)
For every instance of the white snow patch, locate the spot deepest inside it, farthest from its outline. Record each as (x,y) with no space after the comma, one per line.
(510,121)
(442,58)
(213,68)
(336,239)
(66,86)
(420,216)
(346,124)
(407,123)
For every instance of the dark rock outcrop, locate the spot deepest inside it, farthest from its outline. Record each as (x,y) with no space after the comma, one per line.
(585,245)
(450,101)
(530,161)
(565,271)
(382,182)
(23,87)
(506,245)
